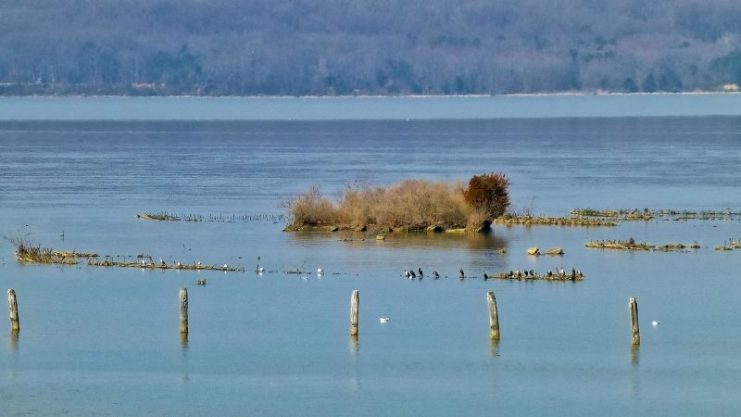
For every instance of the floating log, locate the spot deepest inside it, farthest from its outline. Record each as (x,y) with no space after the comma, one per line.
(183,295)
(634,331)
(15,323)
(354,313)
(491,302)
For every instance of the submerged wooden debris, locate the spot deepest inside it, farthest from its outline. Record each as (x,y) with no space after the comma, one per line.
(664,214)
(731,244)
(568,221)
(212,218)
(146,262)
(632,245)
(531,275)
(36,254)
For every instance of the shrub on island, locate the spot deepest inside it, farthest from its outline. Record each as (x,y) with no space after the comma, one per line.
(412,204)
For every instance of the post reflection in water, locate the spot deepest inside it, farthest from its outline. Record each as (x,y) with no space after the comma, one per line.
(184,355)
(635,355)
(13,342)
(494,348)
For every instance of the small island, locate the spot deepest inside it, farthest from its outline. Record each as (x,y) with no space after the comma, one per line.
(411,205)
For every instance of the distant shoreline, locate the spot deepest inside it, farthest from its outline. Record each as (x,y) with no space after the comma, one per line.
(377,96)
(357,108)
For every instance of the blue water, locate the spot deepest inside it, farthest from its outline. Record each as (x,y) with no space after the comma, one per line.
(105,341)
(368,108)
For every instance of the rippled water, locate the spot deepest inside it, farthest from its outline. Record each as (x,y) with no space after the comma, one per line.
(105,341)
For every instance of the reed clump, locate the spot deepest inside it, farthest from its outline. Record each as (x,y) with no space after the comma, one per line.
(27,252)
(411,205)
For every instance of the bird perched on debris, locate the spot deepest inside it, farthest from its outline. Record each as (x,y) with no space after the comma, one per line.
(486,277)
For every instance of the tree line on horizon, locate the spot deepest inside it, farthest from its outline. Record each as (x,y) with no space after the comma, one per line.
(339,47)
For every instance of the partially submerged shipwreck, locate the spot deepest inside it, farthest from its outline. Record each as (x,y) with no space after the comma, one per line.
(565,221)
(32,254)
(664,214)
(531,275)
(632,245)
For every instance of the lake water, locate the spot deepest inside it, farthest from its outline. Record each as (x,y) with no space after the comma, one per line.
(98,341)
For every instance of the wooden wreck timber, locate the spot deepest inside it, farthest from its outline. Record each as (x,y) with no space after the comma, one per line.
(559,275)
(730,245)
(211,218)
(632,245)
(648,214)
(570,221)
(35,254)
(144,264)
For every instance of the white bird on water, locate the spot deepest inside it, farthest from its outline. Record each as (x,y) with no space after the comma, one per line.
(384,320)
(655,323)
(320,271)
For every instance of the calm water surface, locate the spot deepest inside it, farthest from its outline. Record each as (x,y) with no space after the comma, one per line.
(105,342)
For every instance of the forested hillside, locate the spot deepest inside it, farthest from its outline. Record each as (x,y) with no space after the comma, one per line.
(308,47)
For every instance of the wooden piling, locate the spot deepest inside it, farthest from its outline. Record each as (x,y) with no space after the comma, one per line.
(633,311)
(15,324)
(184,311)
(354,312)
(491,300)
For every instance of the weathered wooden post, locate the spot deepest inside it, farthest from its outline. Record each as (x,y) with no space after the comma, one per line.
(633,311)
(491,300)
(183,311)
(354,312)
(15,324)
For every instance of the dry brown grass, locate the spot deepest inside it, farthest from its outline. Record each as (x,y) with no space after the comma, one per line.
(312,208)
(408,203)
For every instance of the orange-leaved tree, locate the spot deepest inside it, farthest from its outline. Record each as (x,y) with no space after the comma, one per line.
(488,193)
